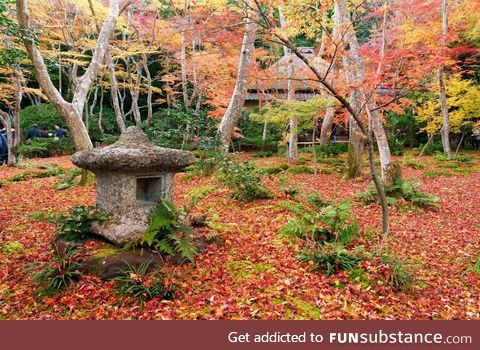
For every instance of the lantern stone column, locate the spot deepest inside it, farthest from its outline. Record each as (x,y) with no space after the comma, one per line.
(133,176)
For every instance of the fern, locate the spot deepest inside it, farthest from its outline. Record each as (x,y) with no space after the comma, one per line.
(168,233)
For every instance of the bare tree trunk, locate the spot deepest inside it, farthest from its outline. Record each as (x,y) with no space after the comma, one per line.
(70,112)
(443,97)
(149,89)
(17,80)
(327,121)
(292,151)
(100,113)
(134,88)
(355,74)
(234,111)
(446,119)
(114,92)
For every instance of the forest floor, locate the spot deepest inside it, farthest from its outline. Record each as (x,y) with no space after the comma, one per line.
(252,272)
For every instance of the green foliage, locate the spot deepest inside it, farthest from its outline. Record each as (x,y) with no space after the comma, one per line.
(169,233)
(251,127)
(75,224)
(432,147)
(327,151)
(44,114)
(400,274)
(45,147)
(207,162)
(321,223)
(409,191)
(245,184)
(265,154)
(327,228)
(109,125)
(289,189)
(33,174)
(397,147)
(330,258)
(136,282)
(301,169)
(413,163)
(108,139)
(462,158)
(272,170)
(53,277)
(474,266)
(181,128)
(69,179)
(402,130)
(13,248)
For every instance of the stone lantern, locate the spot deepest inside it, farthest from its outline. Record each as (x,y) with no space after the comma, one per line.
(133,176)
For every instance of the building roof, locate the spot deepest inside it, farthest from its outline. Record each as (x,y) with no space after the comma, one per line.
(273,81)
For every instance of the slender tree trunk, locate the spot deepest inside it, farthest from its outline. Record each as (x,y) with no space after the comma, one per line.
(441,86)
(100,113)
(234,111)
(17,80)
(292,152)
(149,89)
(446,119)
(114,92)
(327,121)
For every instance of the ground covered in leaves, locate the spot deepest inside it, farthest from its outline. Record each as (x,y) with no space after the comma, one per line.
(252,271)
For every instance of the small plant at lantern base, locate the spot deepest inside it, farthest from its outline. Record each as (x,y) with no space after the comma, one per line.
(54,276)
(137,282)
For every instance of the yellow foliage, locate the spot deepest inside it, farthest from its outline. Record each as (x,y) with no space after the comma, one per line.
(463,100)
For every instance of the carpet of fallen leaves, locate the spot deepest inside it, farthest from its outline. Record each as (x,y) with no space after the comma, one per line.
(253,272)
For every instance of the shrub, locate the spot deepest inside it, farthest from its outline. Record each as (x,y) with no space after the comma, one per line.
(168,233)
(252,131)
(289,189)
(53,277)
(45,147)
(109,125)
(409,191)
(301,169)
(245,184)
(44,114)
(136,282)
